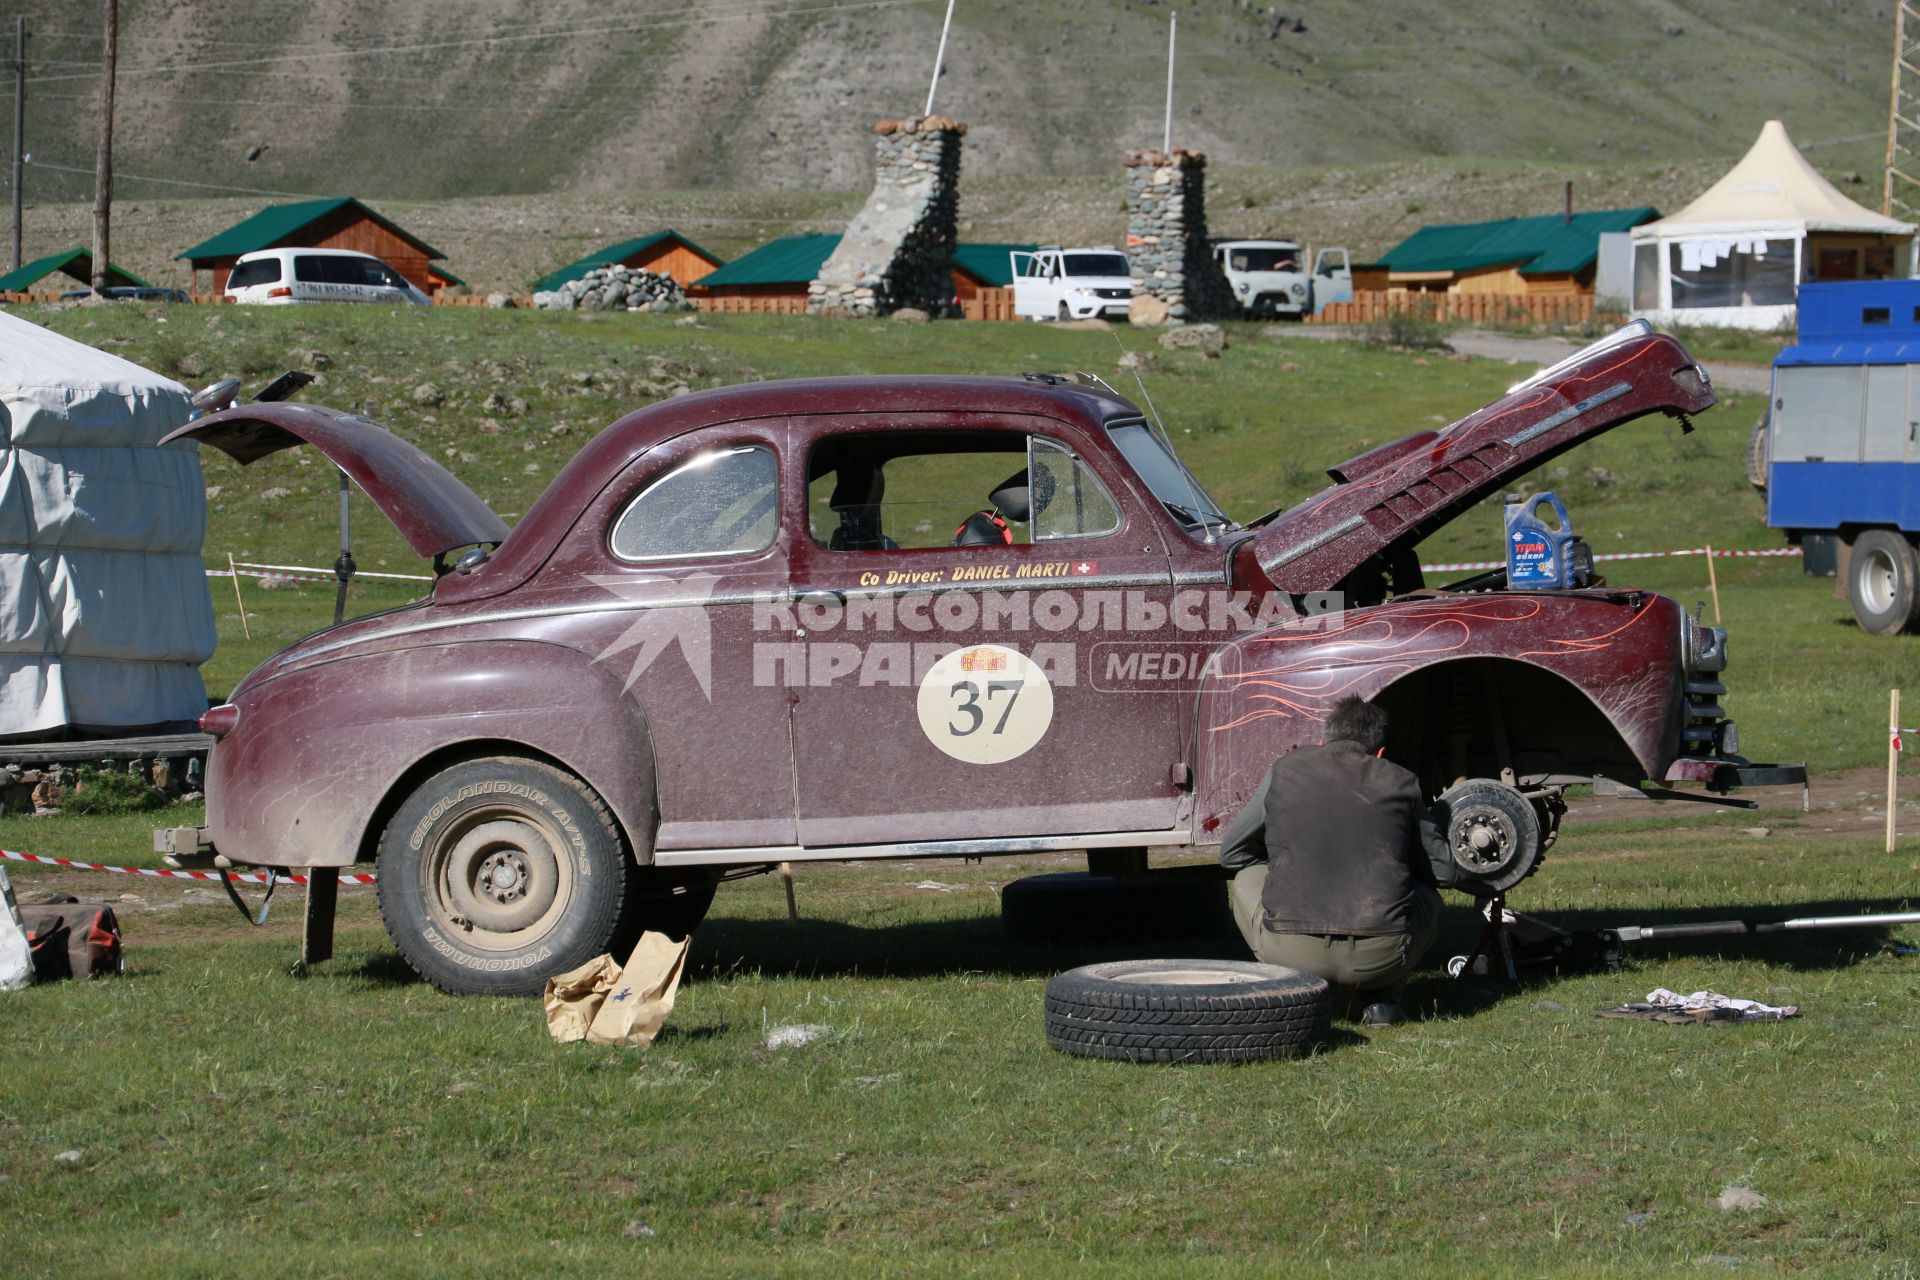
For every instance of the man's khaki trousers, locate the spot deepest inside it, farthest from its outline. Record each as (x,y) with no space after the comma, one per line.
(1377,964)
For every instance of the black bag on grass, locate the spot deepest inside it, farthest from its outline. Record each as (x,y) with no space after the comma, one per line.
(72,939)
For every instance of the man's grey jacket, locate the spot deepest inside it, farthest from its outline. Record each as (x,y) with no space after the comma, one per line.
(1340,831)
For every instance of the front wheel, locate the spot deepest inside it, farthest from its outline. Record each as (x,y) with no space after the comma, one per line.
(1883,581)
(499,873)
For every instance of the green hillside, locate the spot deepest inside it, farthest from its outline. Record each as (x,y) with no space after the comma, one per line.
(446,98)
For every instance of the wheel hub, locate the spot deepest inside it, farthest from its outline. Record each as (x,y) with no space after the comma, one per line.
(502,875)
(1484,840)
(1877,582)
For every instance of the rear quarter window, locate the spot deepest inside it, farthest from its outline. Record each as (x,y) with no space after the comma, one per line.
(259,271)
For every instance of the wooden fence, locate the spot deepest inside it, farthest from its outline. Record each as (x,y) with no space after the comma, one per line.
(445,299)
(1470,308)
(988,304)
(779,304)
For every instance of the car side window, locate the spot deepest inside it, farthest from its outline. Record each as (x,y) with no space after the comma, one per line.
(259,271)
(724,502)
(1065,498)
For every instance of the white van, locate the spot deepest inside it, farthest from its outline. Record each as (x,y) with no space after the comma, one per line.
(1052,283)
(279,276)
(1269,277)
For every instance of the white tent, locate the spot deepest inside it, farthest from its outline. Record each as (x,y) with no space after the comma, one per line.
(1737,255)
(105,615)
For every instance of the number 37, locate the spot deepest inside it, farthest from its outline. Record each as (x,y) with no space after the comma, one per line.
(970,707)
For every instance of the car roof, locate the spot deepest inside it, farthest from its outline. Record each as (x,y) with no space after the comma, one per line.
(287,249)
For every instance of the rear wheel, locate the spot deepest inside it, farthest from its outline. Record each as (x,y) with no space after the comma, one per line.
(1757,453)
(1883,582)
(499,873)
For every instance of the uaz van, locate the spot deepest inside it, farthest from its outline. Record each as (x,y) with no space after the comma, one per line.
(318,275)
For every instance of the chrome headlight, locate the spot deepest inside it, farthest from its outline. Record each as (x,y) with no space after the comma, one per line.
(1299,290)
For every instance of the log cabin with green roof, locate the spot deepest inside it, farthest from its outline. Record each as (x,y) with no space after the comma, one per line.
(49,276)
(775,276)
(1532,256)
(665,253)
(340,222)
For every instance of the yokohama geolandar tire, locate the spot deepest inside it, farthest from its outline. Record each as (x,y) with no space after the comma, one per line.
(1187,1011)
(1075,907)
(497,874)
(1883,582)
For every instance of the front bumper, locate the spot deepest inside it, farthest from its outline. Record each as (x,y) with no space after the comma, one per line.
(1724,773)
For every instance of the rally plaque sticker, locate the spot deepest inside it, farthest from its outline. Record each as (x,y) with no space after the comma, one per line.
(985,704)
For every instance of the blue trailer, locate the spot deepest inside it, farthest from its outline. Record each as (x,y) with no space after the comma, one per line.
(1838,452)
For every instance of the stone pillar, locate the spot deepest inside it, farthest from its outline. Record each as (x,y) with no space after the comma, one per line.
(898,250)
(1175,274)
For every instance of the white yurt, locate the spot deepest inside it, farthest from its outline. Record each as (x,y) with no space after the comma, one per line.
(105,615)
(1737,255)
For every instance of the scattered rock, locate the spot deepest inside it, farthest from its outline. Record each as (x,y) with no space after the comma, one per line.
(638,1230)
(793,1037)
(70,1157)
(1145,309)
(213,491)
(1207,339)
(428,394)
(1134,359)
(1549,1006)
(910,315)
(1737,1199)
(500,301)
(275,494)
(1601,478)
(1757,831)
(1288,366)
(1639,1219)
(193,365)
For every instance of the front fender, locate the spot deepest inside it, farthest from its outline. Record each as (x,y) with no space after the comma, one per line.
(318,749)
(1268,692)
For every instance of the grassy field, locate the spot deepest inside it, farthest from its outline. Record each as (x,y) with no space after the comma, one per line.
(233,1119)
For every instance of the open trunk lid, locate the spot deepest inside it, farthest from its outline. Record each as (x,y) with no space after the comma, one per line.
(433,511)
(1396,495)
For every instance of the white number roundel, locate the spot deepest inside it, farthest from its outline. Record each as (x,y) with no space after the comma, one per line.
(985,704)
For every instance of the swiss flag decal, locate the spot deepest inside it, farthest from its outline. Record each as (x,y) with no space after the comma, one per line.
(1085,568)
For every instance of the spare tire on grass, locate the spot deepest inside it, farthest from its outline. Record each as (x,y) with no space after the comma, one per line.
(1075,907)
(1187,1011)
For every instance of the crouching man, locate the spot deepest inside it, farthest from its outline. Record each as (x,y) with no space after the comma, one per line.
(1330,873)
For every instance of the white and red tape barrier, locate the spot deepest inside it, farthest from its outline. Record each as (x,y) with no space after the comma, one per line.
(167,873)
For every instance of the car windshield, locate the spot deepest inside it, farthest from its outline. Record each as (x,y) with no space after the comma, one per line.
(1096,264)
(1264,259)
(1170,481)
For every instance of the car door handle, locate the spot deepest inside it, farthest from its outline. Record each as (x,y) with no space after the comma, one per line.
(821,599)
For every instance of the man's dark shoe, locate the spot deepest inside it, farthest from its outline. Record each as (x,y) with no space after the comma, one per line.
(1382,1013)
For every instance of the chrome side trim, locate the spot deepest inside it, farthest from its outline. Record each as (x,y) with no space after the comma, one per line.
(919,849)
(1569,413)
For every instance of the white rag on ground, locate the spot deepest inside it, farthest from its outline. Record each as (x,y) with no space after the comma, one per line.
(1752,1010)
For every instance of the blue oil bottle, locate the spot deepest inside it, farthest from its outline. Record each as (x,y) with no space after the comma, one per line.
(1539,556)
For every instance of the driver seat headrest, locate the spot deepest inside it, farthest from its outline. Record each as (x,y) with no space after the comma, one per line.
(1019,499)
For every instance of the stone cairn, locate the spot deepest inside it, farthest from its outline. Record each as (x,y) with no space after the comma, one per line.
(615,288)
(1175,274)
(897,252)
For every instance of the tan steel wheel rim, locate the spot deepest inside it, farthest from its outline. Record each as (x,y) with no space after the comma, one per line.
(499,878)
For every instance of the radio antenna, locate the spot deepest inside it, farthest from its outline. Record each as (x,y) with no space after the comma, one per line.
(1166,442)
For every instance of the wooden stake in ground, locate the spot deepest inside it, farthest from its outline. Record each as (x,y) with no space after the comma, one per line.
(103,161)
(234,573)
(786,875)
(1893,762)
(1713,585)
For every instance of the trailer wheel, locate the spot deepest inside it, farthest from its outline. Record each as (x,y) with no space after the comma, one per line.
(1757,453)
(499,873)
(1881,582)
(1186,1011)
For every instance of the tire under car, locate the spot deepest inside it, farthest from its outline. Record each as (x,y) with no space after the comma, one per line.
(1079,908)
(1186,1011)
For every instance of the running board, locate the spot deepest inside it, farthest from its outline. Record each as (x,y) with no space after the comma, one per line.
(920,849)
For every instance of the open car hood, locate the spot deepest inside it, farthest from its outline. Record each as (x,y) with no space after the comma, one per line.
(434,512)
(1396,495)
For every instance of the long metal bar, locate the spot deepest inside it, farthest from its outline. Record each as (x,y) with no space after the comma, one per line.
(1723,928)
(939,58)
(1173,31)
(19,125)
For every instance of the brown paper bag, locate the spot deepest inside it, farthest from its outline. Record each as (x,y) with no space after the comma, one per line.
(637,1007)
(573,998)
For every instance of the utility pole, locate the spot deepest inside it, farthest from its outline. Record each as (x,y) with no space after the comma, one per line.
(1900,194)
(103,162)
(1166,135)
(19,124)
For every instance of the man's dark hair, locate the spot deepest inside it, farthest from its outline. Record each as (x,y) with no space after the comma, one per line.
(1354,719)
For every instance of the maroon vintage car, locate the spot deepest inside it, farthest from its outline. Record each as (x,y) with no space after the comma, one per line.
(920,617)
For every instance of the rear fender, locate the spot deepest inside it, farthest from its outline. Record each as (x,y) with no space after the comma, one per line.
(322,753)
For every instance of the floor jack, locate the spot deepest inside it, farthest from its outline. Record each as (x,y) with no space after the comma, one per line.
(1511,940)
